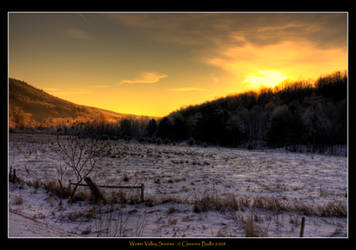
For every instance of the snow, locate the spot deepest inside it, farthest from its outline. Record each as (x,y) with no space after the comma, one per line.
(24,227)
(184,173)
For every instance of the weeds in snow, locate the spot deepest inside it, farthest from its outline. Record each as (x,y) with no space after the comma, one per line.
(213,202)
(251,229)
(18,200)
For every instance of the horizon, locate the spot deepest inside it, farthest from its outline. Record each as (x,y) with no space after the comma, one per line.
(152,64)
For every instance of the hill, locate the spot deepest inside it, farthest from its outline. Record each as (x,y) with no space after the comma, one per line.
(308,113)
(32,107)
(291,114)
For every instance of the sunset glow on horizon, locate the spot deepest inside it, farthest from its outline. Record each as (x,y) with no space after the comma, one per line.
(155,63)
(268,78)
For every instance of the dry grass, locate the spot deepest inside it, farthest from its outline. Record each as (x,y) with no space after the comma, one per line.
(251,230)
(18,200)
(55,188)
(172,221)
(123,198)
(332,209)
(36,183)
(15,179)
(268,203)
(222,204)
(84,196)
(213,202)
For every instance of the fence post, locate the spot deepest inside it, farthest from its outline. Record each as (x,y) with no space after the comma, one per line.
(302,227)
(94,189)
(142,192)
(13,175)
(10,175)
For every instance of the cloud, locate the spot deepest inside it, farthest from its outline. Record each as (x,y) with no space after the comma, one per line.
(79,34)
(188,89)
(260,29)
(290,58)
(146,78)
(299,45)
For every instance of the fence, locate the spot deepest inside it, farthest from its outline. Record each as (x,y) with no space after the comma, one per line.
(94,188)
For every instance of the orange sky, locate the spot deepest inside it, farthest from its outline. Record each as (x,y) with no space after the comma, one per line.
(155,63)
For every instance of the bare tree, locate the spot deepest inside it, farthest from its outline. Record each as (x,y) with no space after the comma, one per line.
(80,155)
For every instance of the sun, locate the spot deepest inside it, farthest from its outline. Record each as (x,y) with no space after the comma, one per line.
(265,78)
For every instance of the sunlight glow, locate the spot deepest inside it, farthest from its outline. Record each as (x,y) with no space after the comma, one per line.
(266,78)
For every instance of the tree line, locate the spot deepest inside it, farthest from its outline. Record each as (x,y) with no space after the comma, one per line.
(290,114)
(293,113)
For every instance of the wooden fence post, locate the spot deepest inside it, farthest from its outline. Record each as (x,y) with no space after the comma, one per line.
(302,227)
(12,177)
(94,189)
(142,192)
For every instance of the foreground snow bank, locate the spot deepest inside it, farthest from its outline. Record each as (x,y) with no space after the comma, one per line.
(22,226)
(181,176)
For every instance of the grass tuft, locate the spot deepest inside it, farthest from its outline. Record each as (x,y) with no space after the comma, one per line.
(251,229)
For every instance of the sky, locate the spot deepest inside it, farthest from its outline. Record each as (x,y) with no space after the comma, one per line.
(155,63)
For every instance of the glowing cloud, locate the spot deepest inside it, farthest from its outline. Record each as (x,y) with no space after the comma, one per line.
(297,60)
(146,77)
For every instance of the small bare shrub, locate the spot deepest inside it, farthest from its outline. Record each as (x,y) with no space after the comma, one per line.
(18,200)
(171,210)
(172,221)
(79,155)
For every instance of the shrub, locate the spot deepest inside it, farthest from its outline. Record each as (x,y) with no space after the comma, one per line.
(171,210)
(330,209)
(18,200)
(55,188)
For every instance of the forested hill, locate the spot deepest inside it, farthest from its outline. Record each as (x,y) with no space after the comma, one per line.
(296,113)
(307,113)
(31,107)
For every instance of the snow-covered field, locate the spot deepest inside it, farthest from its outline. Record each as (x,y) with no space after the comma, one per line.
(177,180)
